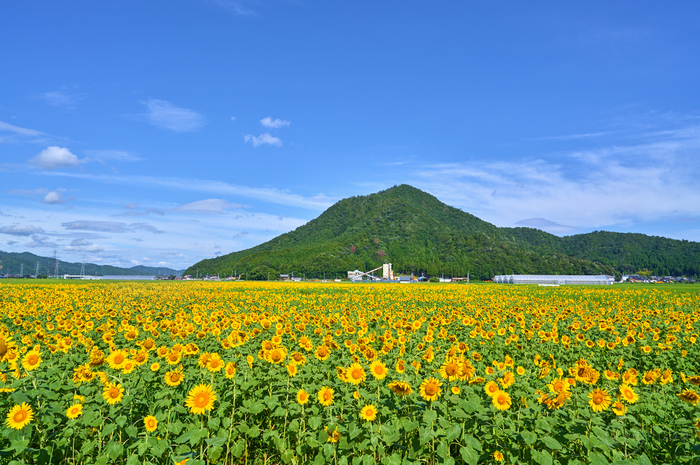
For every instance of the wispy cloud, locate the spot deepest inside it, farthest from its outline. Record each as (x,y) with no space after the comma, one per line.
(262,139)
(110,227)
(165,115)
(237,7)
(59,98)
(21,131)
(572,136)
(110,155)
(209,207)
(21,230)
(274,123)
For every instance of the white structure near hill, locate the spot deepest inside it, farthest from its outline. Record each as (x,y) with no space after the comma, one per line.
(552,279)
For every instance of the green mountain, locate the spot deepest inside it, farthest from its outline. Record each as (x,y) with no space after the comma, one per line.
(11,264)
(419,234)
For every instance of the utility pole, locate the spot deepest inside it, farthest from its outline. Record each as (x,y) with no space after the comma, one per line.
(21,270)
(36,273)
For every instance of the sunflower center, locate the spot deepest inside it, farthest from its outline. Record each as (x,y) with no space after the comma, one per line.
(451,369)
(276,356)
(201,399)
(357,373)
(119,358)
(175,377)
(114,393)
(597,399)
(503,400)
(20,416)
(33,359)
(3,347)
(327,396)
(431,389)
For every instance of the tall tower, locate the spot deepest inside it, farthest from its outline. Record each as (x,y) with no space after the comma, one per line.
(55,265)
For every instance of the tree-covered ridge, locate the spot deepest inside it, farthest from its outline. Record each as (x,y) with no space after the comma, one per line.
(419,234)
(12,265)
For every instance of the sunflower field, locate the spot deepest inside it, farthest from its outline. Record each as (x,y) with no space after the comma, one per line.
(200,372)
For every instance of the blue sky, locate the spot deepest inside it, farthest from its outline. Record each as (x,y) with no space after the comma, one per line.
(164,132)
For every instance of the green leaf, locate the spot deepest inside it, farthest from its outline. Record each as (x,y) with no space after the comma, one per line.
(214,452)
(596,458)
(453,432)
(409,425)
(551,443)
(320,459)
(542,457)
(393,459)
(287,455)
(121,421)
(216,441)
(315,422)
(426,435)
(159,448)
(469,455)
(473,442)
(238,449)
(115,449)
(133,460)
(429,416)
(529,437)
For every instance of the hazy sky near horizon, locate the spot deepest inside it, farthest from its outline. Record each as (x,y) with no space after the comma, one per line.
(164,132)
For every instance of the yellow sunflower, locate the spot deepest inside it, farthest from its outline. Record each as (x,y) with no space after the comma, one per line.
(689,396)
(401,388)
(430,389)
(117,359)
(74,411)
(174,378)
(31,360)
(19,416)
(378,369)
(368,413)
(113,393)
(201,398)
(230,370)
(619,408)
(498,456)
(302,397)
(491,388)
(628,395)
(450,370)
(501,400)
(355,374)
(150,422)
(600,400)
(325,396)
(333,436)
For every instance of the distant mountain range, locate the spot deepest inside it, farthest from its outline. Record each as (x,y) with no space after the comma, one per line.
(419,234)
(12,265)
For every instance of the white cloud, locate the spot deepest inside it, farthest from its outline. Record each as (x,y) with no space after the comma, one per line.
(53,197)
(274,123)
(620,185)
(166,115)
(262,139)
(40,241)
(209,206)
(20,131)
(55,157)
(21,230)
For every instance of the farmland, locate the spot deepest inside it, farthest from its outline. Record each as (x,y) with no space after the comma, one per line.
(199,373)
